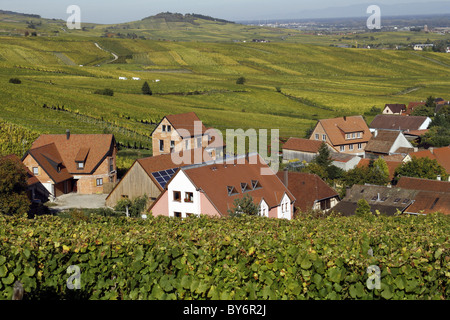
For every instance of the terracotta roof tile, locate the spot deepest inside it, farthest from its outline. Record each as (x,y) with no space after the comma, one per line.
(423,184)
(304,145)
(337,127)
(396,122)
(307,188)
(214,179)
(427,202)
(49,159)
(185,121)
(94,147)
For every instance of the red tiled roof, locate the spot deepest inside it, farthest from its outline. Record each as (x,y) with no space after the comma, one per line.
(31,178)
(427,202)
(396,122)
(185,121)
(307,188)
(412,106)
(214,180)
(441,155)
(423,184)
(337,127)
(304,145)
(49,159)
(92,147)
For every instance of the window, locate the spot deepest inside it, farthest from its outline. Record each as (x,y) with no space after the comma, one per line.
(189,197)
(324,137)
(35,171)
(359,146)
(80,165)
(350,147)
(172,146)
(342,149)
(317,136)
(348,135)
(169,128)
(256,184)
(353,135)
(163,128)
(231,190)
(358,134)
(244,187)
(99,182)
(177,196)
(161,145)
(124,196)
(177,214)
(111,164)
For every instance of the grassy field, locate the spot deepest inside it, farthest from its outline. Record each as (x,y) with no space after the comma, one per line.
(289,85)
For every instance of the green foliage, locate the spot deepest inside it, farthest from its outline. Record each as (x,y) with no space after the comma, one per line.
(424,168)
(324,157)
(135,207)
(105,92)
(146,89)
(15,139)
(243,206)
(241,80)
(205,258)
(363,208)
(13,188)
(15,81)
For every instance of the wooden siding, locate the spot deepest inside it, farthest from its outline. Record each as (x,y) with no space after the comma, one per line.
(135,183)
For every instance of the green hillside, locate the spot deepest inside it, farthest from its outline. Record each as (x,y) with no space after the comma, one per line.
(289,85)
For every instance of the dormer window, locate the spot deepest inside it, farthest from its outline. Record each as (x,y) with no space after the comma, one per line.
(80,165)
(231,191)
(256,184)
(245,187)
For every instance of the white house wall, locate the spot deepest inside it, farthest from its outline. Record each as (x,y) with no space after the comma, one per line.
(182,184)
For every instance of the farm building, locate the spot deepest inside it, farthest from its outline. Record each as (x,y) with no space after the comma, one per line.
(345,161)
(211,189)
(302,149)
(82,163)
(345,134)
(148,176)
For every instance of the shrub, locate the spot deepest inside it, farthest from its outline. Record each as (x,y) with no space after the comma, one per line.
(241,80)
(15,81)
(146,89)
(105,92)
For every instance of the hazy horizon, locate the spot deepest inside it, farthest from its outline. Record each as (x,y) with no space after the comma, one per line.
(105,12)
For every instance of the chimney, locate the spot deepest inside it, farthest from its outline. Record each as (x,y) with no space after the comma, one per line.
(286,177)
(345,118)
(67,134)
(431,149)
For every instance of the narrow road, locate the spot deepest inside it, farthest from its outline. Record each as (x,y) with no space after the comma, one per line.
(114,55)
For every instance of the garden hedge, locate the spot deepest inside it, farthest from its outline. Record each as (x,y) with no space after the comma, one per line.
(229,258)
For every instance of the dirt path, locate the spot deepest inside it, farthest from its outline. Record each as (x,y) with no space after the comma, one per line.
(114,55)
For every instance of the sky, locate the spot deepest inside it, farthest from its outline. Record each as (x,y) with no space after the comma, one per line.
(113,11)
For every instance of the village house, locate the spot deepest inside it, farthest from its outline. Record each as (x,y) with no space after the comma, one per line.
(211,188)
(82,163)
(394,109)
(302,149)
(345,134)
(395,122)
(387,142)
(148,176)
(309,190)
(178,132)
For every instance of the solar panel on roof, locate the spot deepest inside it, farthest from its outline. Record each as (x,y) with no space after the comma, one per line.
(164,176)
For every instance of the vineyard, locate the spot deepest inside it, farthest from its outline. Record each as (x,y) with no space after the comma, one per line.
(205,258)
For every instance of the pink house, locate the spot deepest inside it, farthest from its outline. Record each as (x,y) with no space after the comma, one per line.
(211,188)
